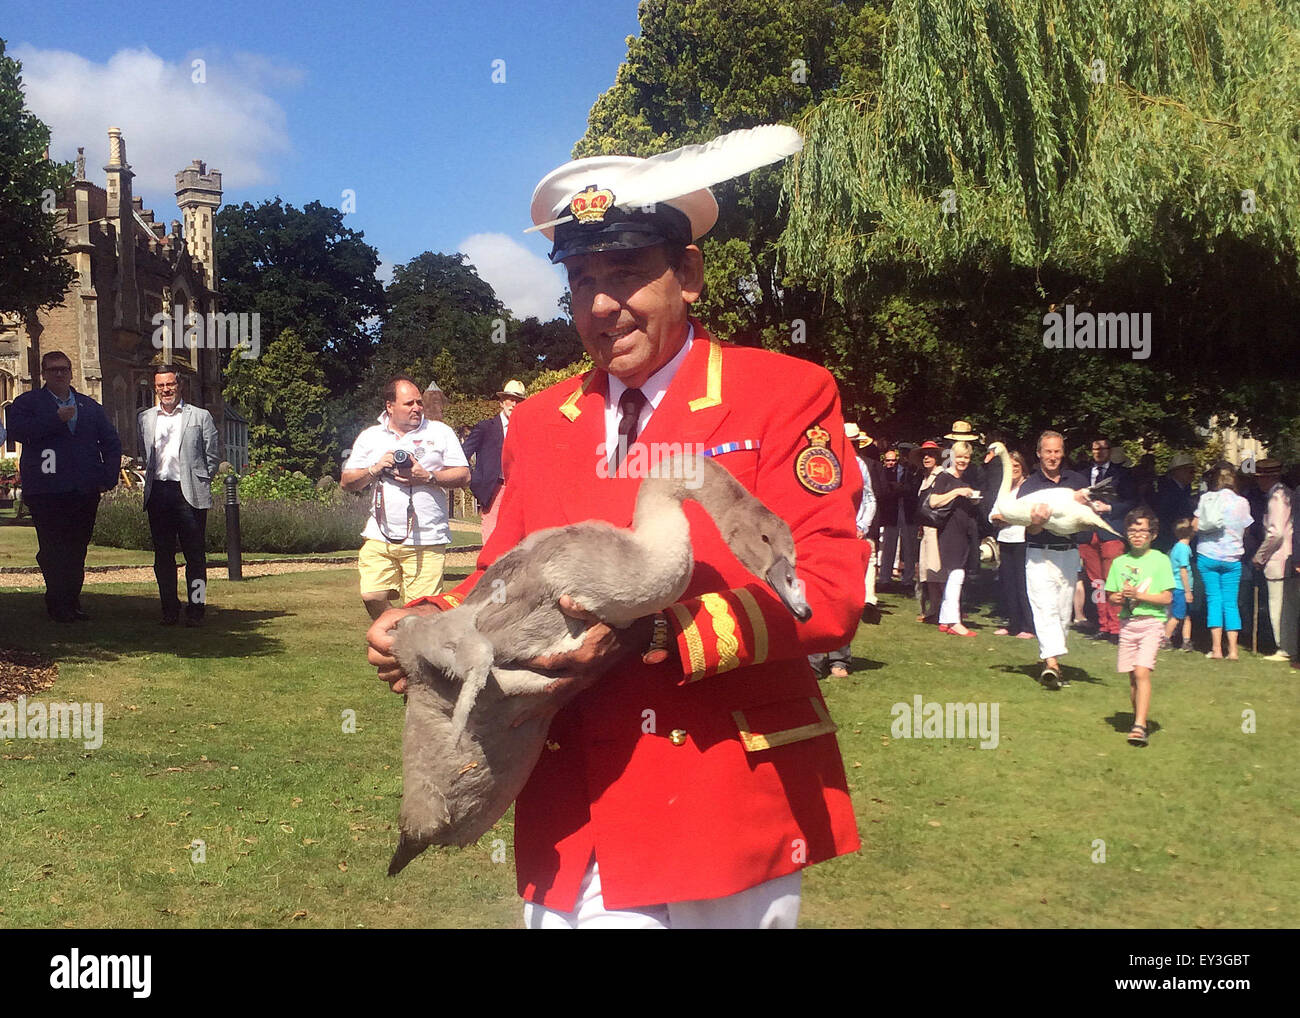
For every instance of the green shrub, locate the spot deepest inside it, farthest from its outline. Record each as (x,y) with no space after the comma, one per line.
(273,482)
(265,525)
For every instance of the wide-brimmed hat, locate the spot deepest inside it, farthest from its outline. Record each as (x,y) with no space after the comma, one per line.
(962,432)
(855,434)
(1269,466)
(930,447)
(1182,459)
(514,389)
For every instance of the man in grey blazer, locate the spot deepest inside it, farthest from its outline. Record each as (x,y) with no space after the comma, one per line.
(182,452)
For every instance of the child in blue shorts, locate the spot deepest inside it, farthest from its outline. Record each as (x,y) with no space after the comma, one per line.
(1180,559)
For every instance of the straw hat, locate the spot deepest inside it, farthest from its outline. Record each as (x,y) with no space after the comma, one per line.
(514,389)
(962,432)
(1182,459)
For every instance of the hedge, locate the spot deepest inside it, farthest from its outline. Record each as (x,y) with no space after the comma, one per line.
(287,527)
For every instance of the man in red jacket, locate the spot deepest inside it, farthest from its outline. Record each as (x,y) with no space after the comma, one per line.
(691,784)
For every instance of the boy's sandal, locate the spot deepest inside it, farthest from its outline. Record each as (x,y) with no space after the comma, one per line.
(1141,737)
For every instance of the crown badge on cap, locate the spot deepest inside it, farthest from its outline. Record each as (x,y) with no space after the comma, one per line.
(590,204)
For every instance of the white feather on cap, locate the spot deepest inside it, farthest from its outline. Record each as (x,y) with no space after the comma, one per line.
(679,178)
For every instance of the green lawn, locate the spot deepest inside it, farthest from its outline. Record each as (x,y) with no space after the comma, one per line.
(233,735)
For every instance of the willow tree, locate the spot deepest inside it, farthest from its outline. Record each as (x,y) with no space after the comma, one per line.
(1021,156)
(701,68)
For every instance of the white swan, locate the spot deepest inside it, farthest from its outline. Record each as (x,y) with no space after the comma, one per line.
(455,789)
(1069,516)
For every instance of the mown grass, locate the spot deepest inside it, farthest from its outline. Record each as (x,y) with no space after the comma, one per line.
(232,734)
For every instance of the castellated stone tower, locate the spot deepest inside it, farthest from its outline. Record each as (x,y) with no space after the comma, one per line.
(198,196)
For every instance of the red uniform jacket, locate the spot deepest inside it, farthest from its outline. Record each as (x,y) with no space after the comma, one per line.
(702,779)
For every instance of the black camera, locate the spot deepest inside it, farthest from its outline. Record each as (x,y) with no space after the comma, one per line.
(402,463)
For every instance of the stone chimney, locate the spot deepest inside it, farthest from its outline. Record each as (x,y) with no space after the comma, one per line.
(198,196)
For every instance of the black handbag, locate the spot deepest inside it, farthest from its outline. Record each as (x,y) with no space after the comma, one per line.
(930,516)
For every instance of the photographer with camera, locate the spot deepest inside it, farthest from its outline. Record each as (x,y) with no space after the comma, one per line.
(411,461)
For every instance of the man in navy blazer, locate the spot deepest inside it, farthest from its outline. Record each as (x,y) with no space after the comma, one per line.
(71,453)
(484,444)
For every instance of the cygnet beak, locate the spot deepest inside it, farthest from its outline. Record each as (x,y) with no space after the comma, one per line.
(782,580)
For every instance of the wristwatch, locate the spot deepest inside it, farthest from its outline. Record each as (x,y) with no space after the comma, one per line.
(657,652)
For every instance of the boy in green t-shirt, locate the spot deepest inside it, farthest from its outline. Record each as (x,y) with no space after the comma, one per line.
(1142,583)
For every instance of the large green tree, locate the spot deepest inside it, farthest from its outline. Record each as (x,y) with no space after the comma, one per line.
(284,396)
(444,322)
(33,272)
(1021,157)
(302,269)
(701,68)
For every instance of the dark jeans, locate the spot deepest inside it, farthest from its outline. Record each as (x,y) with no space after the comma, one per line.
(1012,588)
(64,523)
(821,663)
(171,518)
(909,551)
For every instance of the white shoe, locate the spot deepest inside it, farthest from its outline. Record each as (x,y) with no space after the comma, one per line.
(1280,655)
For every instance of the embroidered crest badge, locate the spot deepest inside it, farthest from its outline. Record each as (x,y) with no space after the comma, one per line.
(816,466)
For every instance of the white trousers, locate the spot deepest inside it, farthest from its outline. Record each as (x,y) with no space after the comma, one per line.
(773,905)
(1049,579)
(869,595)
(950,610)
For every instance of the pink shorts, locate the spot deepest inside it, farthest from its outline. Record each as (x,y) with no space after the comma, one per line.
(1139,642)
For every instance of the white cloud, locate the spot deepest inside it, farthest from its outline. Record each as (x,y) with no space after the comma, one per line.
(229,121)
(527,283)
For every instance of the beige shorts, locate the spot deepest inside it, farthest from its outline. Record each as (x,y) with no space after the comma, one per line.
(401,569)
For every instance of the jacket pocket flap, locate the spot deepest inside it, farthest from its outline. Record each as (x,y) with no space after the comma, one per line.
(781,723)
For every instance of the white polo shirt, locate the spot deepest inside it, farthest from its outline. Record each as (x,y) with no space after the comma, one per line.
(434,446)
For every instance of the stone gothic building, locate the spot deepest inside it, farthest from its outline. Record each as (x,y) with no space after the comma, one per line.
(128,269)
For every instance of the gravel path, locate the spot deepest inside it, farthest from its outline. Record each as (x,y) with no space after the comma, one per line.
(144,574)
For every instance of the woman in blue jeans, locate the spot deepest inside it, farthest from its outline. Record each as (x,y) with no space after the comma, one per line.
(1222,516)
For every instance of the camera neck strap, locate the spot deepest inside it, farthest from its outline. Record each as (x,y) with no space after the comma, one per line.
(381,515)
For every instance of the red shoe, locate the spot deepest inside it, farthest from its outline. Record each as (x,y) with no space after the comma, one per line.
(944,627)
(953,632)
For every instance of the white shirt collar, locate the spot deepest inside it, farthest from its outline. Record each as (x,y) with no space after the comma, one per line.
(180,405)
(657,384)
(384,419)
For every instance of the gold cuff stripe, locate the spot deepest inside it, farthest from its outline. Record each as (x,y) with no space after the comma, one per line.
(756,622)
(713,379)
(694,645)
(452,599)
(724,631)
(755,742)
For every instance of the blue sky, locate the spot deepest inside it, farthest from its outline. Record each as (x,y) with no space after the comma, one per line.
(394,101)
